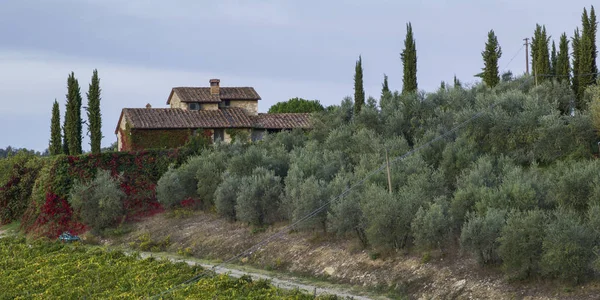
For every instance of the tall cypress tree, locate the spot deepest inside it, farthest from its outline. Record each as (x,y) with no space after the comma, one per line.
(563,67)
(592,34)
(576,59)
(55,146)
(586,52)
(65,143)
(93,113)
(409,61)
(73,126)
(540,56)
(585,68)
(491,55)
(553,60)
(359,90)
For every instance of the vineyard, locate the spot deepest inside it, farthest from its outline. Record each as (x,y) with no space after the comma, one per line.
(49,270)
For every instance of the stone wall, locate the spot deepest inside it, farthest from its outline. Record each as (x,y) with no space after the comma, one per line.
(176,102)
(121,134)
(251,106)
(209,106)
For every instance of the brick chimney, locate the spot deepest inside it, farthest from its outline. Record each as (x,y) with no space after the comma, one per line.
(214,86)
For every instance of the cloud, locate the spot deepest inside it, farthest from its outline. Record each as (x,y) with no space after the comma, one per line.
(267,12)
(32,80)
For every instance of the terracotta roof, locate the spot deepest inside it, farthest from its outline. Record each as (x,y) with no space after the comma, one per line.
(282,121)
(202,94)
(172,118)
(232,117)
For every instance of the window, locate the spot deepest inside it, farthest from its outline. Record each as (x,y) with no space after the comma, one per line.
(194,106)
(219,135)
(224,103)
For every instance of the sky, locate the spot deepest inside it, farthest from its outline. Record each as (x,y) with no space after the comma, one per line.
(282,48)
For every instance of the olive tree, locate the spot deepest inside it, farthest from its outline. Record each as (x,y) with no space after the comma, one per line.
(99,202)
(259,196)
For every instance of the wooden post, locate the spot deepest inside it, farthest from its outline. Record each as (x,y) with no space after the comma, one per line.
(526,55)
(389,175)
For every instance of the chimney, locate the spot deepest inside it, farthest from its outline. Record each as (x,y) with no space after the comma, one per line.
(214,86)
(148,106)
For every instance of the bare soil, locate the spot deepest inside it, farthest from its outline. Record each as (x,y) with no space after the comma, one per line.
(444,276)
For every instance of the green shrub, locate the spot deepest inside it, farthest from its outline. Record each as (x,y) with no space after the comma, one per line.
(521,243)
(19,173)
(288,139)
(387,218)
(515,192)
(575,184)
(345,214)
(593,222)
(311,195)
(226,196)
(431,226)
(209,168)
(99,202)
(473,185)
(568,247)
(480,235)
(178,184)
(243,164)
(296,105)
(259,198)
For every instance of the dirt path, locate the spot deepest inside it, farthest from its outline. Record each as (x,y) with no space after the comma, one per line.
(330,259)
(281,281)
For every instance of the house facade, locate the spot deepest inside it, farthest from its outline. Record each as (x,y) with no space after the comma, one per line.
(215,111)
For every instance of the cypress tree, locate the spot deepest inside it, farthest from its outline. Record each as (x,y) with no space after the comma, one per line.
(73,124)
(491,55)
(592,34)
(65,143)
(359,90)
(409,61)
(55,146)
(540,56)
(385,88)
(457,82)
(386,94)
(576,59)
(563,66)
(587,52)
(585,69)
(553,60)
(93,113)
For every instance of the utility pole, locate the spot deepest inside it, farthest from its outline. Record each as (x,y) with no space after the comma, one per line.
(389,175)
(526,55)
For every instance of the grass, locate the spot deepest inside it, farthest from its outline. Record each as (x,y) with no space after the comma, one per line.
(321,282)
(13,227)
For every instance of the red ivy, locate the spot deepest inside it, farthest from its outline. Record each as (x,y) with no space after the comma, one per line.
(56,217)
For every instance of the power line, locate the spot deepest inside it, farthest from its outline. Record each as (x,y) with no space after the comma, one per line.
(513,58)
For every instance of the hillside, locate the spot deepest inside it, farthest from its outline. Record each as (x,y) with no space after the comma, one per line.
(485,187)
(443,276)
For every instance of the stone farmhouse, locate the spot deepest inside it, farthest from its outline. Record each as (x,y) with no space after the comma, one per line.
(215,111)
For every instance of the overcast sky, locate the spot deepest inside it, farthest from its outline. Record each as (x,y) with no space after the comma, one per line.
(284,49)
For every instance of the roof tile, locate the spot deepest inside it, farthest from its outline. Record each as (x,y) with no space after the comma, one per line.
(282,121)
(171,118)
(232,117)
(202,94)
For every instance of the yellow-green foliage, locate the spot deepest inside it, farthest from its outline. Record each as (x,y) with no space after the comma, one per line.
(43,270)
